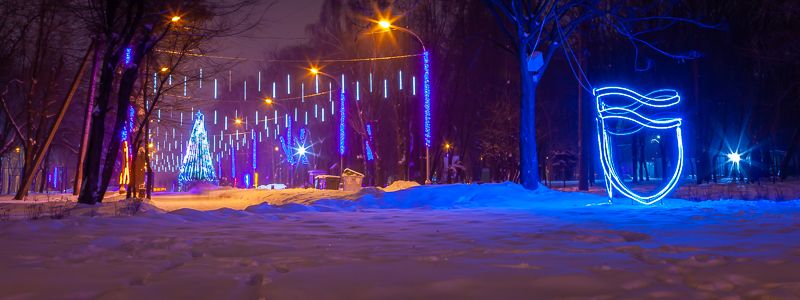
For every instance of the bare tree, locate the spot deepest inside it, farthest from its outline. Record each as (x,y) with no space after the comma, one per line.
(538,29)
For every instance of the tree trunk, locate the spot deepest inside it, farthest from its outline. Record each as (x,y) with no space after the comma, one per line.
(634,158)
(86,122)
(91,178)
(528,161)
(790,152)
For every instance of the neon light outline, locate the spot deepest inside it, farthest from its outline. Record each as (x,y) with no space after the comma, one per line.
(663,98)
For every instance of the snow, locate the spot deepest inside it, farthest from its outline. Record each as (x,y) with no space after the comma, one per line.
(492,241)
(400,185)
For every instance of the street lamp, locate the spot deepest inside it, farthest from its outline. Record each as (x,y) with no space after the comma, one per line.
(175,19)
(315,71)
(386,25)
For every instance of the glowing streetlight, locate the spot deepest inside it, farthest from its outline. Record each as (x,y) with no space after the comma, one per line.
(447,146)
(150,145)
(238,121)
(276,148)
(315,71)
(384,22)
(164,69)
(734,157)
(268,100)
(175,19)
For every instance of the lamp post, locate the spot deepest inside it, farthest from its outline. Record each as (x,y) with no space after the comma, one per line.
(316,71)
(386,25)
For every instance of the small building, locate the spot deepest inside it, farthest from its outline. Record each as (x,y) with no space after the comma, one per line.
(352,180)
(326,182)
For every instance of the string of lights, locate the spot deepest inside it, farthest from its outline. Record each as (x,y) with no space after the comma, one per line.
(360,59)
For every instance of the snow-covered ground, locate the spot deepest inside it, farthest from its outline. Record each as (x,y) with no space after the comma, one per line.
(495,241)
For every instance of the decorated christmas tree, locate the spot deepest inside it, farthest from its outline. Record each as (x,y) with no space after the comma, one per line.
(197,165)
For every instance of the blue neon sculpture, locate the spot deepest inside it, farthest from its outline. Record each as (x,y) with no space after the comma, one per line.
(297,154)
(620,112)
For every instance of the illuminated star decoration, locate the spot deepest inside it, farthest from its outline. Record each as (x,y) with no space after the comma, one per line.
(298,153)
(628,118)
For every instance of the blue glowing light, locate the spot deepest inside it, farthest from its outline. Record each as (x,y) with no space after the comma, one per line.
(370,155)
(298,154)
(197,163)
(128,56)
(341,121)
(427,86)
(626,120)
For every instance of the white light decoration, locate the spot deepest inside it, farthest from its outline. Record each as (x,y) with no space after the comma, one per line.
(414,85)
(623,108)
(734,157)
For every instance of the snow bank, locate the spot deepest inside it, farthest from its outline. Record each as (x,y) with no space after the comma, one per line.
(400,185)
(501,195)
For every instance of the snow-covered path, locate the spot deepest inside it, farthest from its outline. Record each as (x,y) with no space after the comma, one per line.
(454,242)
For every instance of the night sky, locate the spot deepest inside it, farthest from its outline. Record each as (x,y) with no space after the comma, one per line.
(283,24)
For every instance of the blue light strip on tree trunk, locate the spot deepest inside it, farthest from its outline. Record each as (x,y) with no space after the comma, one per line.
(341,119)
(427,85)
